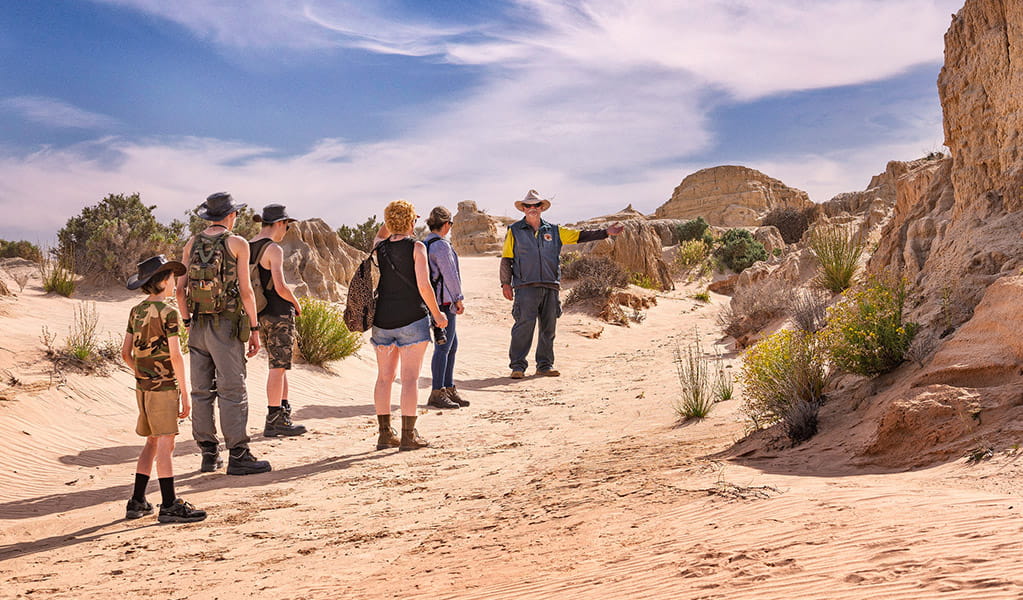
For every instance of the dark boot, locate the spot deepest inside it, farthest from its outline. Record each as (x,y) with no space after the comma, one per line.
(452,394)
(286,407)
(439,399)
(410,439)
(279,423)
(388,438)
(242,462)
(211,460)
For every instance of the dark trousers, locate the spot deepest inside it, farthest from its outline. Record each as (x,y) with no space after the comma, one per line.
(443,364)
(532,306)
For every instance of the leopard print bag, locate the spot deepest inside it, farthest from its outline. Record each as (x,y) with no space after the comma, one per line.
(362,297)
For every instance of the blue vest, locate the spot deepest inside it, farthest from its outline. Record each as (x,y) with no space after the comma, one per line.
(537,257)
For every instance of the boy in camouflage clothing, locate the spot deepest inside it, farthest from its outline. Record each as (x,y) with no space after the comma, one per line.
(152,349)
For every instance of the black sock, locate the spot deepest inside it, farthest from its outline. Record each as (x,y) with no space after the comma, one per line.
(273,410)
(167,490)
(139,493)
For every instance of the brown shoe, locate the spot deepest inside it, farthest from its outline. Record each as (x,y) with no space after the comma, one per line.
(549,373)
(410,439)
(388,437)
(517,374)
(439,399)
(454,397)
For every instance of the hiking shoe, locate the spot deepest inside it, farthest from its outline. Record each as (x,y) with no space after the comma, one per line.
(439,399)
(454,397)
(279,423)
(137,510)
(388,439)
(180,512)
(211,460)
(411,440)
(242,462)
(548,373)
(518,374)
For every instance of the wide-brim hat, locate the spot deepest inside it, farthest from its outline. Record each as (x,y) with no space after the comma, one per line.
(272,213)
(218,206)
(151,267)
(532,197)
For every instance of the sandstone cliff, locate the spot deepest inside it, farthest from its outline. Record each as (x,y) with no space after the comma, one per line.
(317,261)
(474,231)
(730,196)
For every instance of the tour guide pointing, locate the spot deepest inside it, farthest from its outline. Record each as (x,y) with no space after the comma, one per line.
(531,277)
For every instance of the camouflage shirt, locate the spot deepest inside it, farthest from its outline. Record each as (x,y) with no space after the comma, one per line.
(150,323)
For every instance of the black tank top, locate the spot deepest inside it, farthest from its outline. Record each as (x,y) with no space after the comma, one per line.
(398,300)
(275,305)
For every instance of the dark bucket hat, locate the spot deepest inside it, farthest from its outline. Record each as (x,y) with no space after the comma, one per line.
(273,213)
(218,206)
(151,267)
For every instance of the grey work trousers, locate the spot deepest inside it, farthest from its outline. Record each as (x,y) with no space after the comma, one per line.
(217,360)
(534,305)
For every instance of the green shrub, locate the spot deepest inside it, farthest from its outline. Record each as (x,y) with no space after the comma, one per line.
(737,250)
(108,240)
(362,235)
(703,296)
(691,230)
(689,254)
(243,225)
(644,281)
(321,332)
(598,276)
(838,254)
(781,370)
(866,334)
(57,276)
(694,377)
(82,342)
(791,223)
(21,249)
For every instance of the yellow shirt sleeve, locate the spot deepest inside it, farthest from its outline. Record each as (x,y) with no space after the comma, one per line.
(569,236)
(509,246)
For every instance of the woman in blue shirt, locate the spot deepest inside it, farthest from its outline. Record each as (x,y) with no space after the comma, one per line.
(447,285)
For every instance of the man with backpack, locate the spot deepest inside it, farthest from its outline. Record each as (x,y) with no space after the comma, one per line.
(447,285)
(277,308)
(219,309)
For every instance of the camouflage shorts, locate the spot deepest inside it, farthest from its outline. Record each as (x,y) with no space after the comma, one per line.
(278,337)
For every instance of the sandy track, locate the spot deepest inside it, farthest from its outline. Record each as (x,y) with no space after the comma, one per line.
(580,486)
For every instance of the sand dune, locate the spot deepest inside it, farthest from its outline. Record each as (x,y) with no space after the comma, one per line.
(578,487)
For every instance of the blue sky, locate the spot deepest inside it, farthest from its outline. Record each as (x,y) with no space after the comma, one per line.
(337,107)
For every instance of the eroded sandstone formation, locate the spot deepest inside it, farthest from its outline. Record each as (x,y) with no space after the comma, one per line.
(317,261)
(638,250)
(475,232)
(730,196)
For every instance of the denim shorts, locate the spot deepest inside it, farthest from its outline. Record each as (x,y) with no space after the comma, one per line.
(413,333)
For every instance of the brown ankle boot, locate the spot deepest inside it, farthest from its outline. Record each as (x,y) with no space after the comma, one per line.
(388,437)
(455,397)
(410,439)
(439,399)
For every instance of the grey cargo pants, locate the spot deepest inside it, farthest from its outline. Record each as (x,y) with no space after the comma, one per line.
(218,358)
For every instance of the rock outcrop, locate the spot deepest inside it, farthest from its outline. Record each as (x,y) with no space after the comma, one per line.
(474,232)
(637,250)
(730,196)
(318,262)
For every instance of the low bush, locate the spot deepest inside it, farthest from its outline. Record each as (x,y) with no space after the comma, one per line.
(57,276)
(695,380)
(361,236)
(21,249)
(82,349)
(838,253)
(321,332)
(866,333)
(809,310)
(801,421)
(792,223)
(703,296)
(82,341)
(598,276)
(644,281)
(755,308)
(737,250)
(691,230)
(782,370)
(244,225)
(689,254)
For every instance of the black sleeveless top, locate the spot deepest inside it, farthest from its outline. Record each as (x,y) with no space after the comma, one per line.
(398,300)
(275,305)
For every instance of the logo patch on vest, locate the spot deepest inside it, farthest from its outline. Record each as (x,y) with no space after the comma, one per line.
(547,237)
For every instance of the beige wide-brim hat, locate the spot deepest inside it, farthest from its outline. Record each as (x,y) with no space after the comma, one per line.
(532,198)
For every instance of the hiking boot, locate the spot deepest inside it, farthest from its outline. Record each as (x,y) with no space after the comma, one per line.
(279,423)
(388,437)
(211,460)
(242,462)
(180,512)
(439,399)
(518,374)
(286,407)
(410,439)
(548,373)
(452,394)
(137,510)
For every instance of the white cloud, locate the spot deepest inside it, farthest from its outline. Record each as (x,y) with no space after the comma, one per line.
(55,113)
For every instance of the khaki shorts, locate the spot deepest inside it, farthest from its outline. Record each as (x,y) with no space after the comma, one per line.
(158,412)
(277,335)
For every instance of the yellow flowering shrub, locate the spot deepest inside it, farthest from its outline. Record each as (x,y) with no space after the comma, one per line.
(782,370)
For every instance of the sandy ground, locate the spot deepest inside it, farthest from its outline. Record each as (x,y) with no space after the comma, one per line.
(584,486)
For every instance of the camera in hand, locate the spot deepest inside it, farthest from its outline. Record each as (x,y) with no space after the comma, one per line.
(440,337)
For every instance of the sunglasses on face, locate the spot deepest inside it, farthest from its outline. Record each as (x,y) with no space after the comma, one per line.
(534,205)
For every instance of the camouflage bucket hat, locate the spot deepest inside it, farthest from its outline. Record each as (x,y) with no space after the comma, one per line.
(151,267)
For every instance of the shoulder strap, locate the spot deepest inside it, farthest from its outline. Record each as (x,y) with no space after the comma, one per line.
(440,276)
(381,250)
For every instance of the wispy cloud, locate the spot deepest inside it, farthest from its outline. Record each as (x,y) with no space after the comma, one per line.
(56,113)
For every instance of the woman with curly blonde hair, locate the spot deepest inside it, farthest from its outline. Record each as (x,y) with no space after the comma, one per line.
(401,326)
